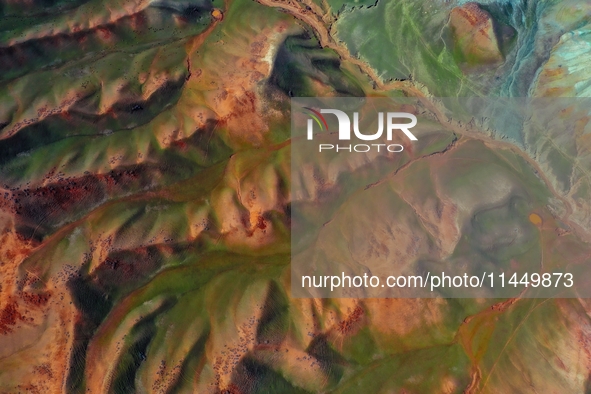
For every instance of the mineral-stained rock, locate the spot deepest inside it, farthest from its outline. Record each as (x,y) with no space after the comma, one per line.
(474,36)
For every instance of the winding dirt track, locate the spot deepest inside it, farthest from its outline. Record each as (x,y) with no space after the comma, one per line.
(321,21)
(309,13)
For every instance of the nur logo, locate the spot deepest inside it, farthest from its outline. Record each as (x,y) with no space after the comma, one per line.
(344,132)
